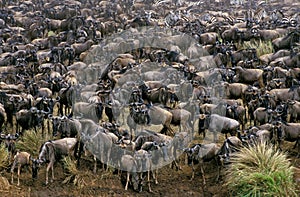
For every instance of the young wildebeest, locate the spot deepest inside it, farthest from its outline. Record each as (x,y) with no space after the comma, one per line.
(52,151)
(21,159)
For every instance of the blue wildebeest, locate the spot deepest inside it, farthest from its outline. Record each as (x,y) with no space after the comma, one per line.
(21,159)
(200,153)
(51,152)
(216,123)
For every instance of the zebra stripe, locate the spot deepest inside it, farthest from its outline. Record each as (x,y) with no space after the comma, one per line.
(157,3)
(259,15)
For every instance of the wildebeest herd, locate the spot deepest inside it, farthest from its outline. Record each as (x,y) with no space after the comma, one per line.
(201,78)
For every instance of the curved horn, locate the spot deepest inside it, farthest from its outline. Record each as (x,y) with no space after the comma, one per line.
(11,99)
(21,99)
(33,110)
(50,116)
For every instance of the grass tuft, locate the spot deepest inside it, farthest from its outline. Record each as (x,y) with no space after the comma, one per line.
(31,142)
(260,171)
(262,47)
(4,160)
(74,175)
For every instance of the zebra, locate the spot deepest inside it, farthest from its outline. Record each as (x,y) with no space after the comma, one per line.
(276,16)
(172,18)
(259,16)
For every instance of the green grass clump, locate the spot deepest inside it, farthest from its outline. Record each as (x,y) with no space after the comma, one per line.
(260,171)
(31,142)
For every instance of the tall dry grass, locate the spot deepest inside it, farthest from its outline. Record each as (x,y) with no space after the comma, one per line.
(31,142)
(260,171)
(262,47)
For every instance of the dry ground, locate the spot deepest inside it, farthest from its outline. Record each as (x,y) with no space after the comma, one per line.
(106,183)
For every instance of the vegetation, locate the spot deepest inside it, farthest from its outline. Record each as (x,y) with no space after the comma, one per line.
(262,47)
(73,174)
(4,160)
(260,171)
(31,142)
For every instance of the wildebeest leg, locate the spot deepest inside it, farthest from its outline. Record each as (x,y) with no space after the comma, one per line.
(12,177)
(176,164)
(50,165)
(203,175)
(148,179)
(154,176)
(127,180)
(215,136)
(95,165)
(298,144)
(19,171)
(193,171)
(218,175)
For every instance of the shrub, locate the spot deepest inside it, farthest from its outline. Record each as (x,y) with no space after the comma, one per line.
(260,171)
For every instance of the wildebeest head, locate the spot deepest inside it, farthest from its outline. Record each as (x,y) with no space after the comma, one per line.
(55,124)
(192,153)
(203,121)
(278,130)
(38,115)
(35,167)
(45,151)
(136,96)
(99,110)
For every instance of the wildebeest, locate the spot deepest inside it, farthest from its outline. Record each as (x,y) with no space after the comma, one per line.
(286,42)
(262,115)
(294,110)
(216,123)
(91,111)
(230,145)
(128,163)
(285,94)
(67,99)
(10,143)
(28,119)
(21,159)
(52,151)
(289,132)
(201,153)
(65,127)
(181,118)
(249,76)
(94,137)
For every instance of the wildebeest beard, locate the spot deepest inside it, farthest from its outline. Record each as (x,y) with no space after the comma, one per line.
(99,110)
